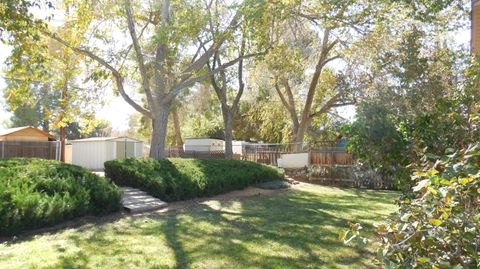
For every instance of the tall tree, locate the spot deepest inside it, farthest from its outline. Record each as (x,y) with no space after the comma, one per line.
(58,78)
(174,28)
(314,34)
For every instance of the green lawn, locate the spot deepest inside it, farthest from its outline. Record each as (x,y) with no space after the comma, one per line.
(295,229)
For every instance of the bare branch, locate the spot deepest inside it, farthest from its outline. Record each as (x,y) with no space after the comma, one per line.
(328,105)
(282,97)
(131,46)
(139,55)
(241,84)
(203,59)
(191,81)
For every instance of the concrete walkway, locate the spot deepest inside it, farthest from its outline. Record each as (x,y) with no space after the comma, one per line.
(135,200)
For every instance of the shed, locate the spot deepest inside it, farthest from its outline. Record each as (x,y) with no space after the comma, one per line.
(25,133)
(203,144)
(92,152)
(29,142)
(238,147)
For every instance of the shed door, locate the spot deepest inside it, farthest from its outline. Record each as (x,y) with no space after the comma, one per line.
(125,149)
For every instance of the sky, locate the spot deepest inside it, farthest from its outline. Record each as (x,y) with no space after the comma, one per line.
(117,111)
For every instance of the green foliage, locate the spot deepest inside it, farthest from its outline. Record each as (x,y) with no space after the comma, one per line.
(440,226)
(36,193)
(180,179)
(424,106)
(375,140)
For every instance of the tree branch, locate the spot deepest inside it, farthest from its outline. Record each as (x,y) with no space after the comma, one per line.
(328,105)
(282,97)
(241,84)
(116,74)
(203,59)
(139,55)
(192,81)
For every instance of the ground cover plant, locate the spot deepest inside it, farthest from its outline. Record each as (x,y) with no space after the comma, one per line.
(292,229)
(36,193)
(180,179)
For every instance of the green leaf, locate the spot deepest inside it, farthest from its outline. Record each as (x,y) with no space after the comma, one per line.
(465,180)
(435,222)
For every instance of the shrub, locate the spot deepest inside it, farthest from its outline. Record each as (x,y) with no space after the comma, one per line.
(180,179)
(440,226)
(36,193)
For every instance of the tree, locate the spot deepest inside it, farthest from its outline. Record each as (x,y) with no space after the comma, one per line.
(253,38)
(174,27)
(323,29)
(55,84)
(19,29)
(416,101)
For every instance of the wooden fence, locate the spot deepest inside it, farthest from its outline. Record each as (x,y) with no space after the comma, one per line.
(44,150)
(328,165)
(270,153)
(178,152)
(330,156)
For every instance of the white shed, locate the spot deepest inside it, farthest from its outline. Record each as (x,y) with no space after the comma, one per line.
(92,152)
(238,147)
(203,144)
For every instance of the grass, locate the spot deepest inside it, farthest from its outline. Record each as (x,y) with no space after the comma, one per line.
(294,229)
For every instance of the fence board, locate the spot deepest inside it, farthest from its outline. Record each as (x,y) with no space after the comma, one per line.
(178,152)
(29,149)
(330,156)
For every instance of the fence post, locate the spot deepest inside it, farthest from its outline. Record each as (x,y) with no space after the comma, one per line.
(3,149)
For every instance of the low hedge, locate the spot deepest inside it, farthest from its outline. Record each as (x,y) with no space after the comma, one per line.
(180,179)
(36,193)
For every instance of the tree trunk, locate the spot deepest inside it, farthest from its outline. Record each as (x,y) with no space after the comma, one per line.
(228,125)
(159,131)
(178,131)
(63,111)
(62,143)
(301,130)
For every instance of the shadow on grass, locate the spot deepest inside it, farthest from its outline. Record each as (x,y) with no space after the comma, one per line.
(293,230)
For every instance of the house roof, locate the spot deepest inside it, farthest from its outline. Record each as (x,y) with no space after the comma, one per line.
(9,131)
(106,138)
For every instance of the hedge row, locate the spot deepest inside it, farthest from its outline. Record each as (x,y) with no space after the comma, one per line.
(36,193)
(180,179)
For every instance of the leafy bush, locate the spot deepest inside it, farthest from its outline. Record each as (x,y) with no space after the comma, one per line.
(36,193)
(440,226)
(423,107)
(179,179)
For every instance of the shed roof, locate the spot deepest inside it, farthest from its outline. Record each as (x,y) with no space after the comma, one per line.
(203,138)
(106,138)
(9,131)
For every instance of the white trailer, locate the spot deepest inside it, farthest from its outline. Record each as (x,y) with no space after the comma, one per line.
(203,144)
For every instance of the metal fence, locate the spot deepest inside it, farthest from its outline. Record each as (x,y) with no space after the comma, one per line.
(44,150)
